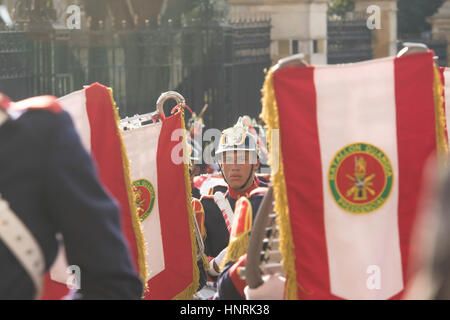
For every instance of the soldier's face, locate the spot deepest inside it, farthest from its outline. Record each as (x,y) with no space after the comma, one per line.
(237,167)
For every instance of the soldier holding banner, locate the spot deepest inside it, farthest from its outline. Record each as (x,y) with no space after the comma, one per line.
(238,161)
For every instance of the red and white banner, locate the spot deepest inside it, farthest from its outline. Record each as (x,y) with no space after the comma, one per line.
(96,119)
(162,187)
(354,140)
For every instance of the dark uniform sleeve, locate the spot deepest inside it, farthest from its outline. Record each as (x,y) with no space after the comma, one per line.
(217,235)
(196,193)
(202,276)
(87,218)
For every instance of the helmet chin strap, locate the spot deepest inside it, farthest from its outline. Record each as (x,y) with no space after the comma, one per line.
(246,181)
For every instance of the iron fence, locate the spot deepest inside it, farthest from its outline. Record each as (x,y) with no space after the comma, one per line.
(221,64)
(349,39)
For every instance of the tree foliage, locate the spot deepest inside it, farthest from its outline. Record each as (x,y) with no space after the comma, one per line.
(196,9)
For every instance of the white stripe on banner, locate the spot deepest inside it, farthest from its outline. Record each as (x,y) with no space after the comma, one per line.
(142,146)
(447,99)
(75,105)
(356,103)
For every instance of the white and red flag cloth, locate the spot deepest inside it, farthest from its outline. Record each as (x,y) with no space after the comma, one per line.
(161,181)
(353,142)
(96,119)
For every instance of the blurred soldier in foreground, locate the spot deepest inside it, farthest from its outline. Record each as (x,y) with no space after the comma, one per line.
(440,263)
(48,185)
(430,271)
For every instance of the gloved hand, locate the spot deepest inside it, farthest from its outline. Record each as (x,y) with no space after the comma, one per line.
(271,289)
(215,263)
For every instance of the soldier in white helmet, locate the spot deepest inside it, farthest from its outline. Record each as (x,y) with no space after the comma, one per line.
(238,159)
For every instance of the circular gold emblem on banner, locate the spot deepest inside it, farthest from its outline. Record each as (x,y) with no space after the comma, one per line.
(360,178)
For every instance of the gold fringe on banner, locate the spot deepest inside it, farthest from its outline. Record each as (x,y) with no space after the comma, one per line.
(270,116)
(189,292)
(205,262)
(137,226)
(441,139)
(236,248)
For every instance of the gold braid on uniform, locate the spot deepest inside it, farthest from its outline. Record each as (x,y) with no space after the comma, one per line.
(236,249)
